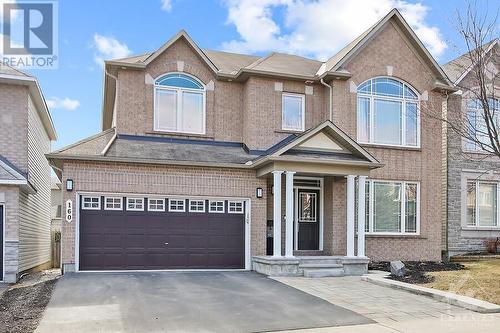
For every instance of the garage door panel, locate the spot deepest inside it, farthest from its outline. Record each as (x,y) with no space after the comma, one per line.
(111,240)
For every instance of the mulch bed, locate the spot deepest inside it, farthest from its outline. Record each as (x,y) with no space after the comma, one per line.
(22,308)
(416,270)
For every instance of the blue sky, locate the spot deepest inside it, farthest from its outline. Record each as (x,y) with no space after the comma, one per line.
(92,30)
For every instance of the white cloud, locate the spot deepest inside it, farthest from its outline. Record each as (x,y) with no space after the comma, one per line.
(63,104)
(318,28)
(166,5)
(109,48)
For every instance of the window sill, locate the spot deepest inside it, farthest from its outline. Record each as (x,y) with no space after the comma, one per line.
(394,236)
(374,145)
(180,134)
(481,228)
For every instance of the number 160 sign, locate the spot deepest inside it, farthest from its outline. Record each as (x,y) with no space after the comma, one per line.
(69,211)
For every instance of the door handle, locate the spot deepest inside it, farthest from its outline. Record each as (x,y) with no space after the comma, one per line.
(166,243)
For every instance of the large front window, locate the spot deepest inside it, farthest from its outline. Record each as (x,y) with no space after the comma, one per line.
(388,113)
(392,207)
(179,104)
(482,204)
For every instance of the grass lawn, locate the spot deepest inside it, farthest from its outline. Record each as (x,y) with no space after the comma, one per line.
(480,280)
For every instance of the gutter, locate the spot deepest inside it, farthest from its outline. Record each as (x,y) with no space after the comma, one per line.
(330,87)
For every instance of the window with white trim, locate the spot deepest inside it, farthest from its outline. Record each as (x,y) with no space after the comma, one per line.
(235,207)
(392,207)
(197,206)
(388,113)
(476,123)
(483,209)
(113,203)
(135,204)
(156,204)
(91,203)
(179,104)
(293,112)
(176,205)
(216,206)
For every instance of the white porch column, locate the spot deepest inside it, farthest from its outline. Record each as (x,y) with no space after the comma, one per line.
(350,215)
(361,215)
(289,214)
(277,214)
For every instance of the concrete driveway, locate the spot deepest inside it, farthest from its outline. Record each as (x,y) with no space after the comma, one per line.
(186,302)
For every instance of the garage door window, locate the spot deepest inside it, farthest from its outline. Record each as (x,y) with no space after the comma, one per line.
(156,205)
(113,203)
(91,203)
(216,206)
(235,207)
(196,206)
(176,205)
(135,204)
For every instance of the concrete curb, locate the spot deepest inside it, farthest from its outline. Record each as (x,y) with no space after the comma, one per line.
(439,295)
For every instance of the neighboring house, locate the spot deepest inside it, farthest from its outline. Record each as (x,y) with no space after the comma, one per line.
(26,131)
(473,182)
(200,149)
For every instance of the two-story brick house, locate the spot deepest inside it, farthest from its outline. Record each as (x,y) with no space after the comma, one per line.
(473,174)
(26,131)
(200,149)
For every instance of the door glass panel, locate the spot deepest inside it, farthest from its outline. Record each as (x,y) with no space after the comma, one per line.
(307,207)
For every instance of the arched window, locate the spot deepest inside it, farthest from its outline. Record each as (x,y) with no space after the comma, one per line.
(179,104)
(388,113)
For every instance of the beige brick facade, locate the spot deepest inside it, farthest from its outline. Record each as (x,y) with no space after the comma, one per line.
(250,112)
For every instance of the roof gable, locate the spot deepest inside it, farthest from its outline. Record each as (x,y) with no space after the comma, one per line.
(336,62)
(458,68)
(326,138)
(181,34)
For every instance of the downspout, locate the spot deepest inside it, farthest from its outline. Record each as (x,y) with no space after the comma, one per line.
(330,87)
(445,143)
(113,122)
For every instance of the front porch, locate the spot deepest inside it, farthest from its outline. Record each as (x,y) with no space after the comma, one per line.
(316,201)
(310,266)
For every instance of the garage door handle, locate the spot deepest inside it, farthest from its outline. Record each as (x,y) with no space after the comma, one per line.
(166,243)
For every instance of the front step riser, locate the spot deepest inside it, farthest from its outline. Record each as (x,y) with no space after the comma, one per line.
(316,273)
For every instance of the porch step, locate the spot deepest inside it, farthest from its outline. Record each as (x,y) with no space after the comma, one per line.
(317,265)
(326,272)
(320,261)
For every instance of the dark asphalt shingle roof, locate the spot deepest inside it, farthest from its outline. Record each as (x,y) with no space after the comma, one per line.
(178,150)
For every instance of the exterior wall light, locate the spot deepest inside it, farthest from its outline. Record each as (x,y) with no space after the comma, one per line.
(259,192)
(69,185)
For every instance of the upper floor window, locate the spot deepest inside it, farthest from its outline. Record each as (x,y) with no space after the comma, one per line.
(478,138)
(293,112)
(179,104)
(388,113)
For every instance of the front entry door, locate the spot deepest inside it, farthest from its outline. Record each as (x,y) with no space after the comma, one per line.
(308,219)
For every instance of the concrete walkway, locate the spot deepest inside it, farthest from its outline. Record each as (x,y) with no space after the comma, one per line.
(393,310)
